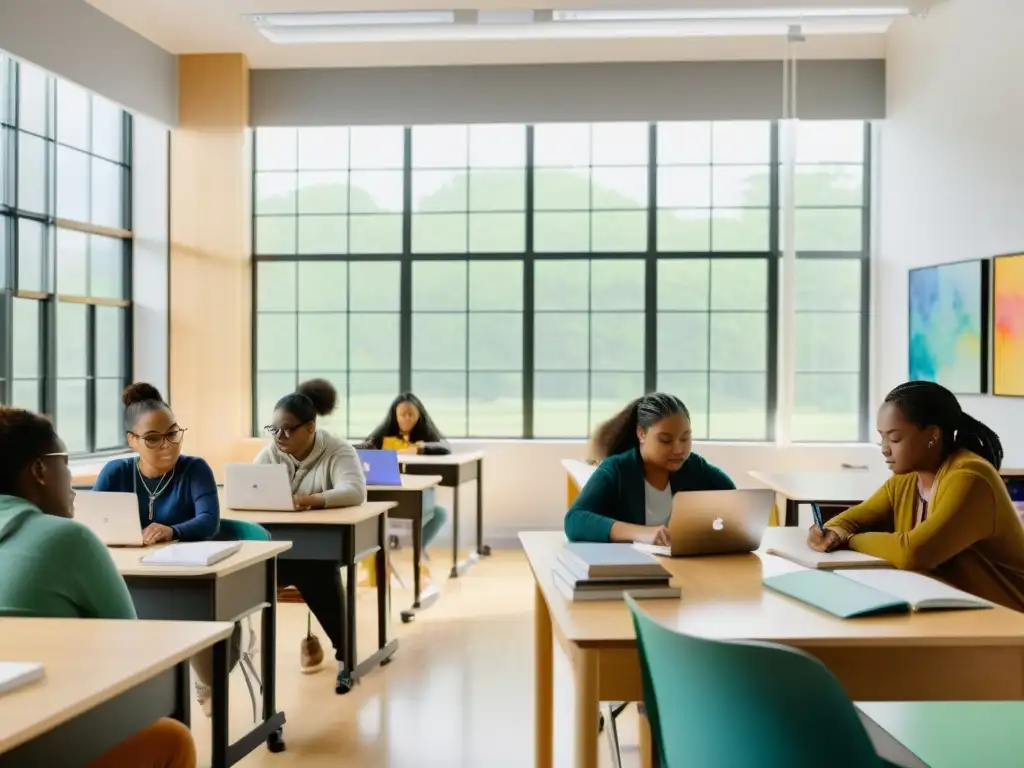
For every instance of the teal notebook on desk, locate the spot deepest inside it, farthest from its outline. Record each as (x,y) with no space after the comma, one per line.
(837,595)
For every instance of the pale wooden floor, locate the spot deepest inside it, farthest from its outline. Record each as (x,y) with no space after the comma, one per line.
(459,693)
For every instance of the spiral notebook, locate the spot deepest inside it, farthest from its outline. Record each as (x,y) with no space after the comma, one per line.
(194,553)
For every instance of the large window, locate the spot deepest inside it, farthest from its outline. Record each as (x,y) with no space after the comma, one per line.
(65,255)
(527,281)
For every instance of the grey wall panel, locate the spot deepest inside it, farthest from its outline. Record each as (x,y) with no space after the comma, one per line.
(566,92)
(72,39)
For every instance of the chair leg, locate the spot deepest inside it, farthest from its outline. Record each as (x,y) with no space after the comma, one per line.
(612,731)
(252,693)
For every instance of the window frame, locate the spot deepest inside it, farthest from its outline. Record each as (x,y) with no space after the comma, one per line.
(48,297)
(649,256)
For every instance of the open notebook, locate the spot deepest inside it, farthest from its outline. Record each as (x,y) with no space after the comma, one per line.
(15,674)
(791,543)
(857,593)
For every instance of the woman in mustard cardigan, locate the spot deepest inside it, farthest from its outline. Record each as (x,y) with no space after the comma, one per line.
(946,502)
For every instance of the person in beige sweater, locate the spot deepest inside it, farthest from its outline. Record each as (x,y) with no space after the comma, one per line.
(325,473)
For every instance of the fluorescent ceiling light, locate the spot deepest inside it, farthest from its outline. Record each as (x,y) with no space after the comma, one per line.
(501,25)
(728,14)
(355,19)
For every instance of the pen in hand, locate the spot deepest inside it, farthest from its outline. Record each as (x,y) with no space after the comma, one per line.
(816,511)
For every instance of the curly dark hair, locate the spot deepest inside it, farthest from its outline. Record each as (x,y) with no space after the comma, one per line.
(316,397)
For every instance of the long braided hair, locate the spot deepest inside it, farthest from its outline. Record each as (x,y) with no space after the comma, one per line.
(927,404)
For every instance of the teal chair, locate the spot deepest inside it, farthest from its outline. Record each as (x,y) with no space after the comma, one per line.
(241,530)
(744,704)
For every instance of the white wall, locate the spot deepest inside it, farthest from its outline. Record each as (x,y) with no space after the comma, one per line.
(951,169)
(524,482)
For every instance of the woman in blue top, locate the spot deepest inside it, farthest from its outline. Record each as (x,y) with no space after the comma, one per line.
(177,494)
(647,452)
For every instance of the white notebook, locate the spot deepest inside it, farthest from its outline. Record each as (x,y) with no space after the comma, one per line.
(193,553)
(16,674)
(923,593)
(791,543)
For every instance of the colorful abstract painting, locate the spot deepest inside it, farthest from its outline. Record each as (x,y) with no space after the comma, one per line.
(1008,340)
(949,325)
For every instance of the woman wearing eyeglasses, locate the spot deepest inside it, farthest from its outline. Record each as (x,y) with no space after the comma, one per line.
(325,472)
(177,494)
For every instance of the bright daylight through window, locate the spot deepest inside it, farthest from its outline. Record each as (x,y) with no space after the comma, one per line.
(526,281)
(65,255)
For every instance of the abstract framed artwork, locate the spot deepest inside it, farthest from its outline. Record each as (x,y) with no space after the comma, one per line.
(1008,326)
(948,325)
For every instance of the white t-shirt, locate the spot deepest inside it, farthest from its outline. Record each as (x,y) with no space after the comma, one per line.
(658,504)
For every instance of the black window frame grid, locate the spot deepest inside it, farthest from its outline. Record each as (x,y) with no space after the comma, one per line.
(650,257)
(48,297)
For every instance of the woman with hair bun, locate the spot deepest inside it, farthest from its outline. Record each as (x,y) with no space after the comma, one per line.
(325,473)
(177,494)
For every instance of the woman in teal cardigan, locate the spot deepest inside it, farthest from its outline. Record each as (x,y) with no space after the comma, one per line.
(649,459)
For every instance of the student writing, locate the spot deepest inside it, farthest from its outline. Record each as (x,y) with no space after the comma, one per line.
(946,503)
(52,567)
(649,458)
(325,472)
(408,428)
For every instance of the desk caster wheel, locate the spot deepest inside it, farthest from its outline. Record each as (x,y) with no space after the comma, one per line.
(454,572)
(275,741)
(407,616)
(485,550)
(386,661)
(600,723)
(394,543)
(343,684)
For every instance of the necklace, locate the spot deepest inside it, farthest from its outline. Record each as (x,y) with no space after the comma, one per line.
(161,485)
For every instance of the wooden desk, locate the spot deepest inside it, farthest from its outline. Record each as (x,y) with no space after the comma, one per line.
(340,535)
(577,473)
(235,587)
(412,500)
(945,734)
(455,469)
(948,655)
(847,487)
(105,680)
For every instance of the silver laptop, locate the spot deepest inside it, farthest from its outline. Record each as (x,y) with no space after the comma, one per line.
(114,517)
(263,487)
(717,522)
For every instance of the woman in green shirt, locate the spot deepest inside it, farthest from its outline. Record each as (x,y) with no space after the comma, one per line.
(648,457)
(51,566)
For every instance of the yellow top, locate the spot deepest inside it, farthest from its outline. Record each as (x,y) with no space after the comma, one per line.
(971,538)
(395,444)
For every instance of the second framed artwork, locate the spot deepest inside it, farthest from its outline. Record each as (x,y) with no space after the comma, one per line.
(1008,325)
(948,325)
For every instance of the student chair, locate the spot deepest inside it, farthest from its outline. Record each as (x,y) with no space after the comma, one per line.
(744,704)
(242,530)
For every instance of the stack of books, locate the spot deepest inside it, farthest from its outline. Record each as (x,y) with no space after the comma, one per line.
(586,572)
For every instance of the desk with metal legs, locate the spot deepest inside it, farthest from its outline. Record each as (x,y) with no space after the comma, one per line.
(235,587)
(454,470)
(344,535)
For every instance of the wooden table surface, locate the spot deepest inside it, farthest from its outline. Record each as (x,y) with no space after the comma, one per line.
(341,516)
(723,598)
(127,560)
(88,662)
(410,483)
(824,487)
(452,459)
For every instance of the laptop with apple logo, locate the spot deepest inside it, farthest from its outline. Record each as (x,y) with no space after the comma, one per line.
(716,522)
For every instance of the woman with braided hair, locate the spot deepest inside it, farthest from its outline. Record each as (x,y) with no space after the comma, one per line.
(946,503)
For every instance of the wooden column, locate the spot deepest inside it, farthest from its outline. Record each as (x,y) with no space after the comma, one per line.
(210,275)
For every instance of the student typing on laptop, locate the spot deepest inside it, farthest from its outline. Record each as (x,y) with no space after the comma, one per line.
(408,428)
(325,472)
(177,494)
(52,567)
(647,459)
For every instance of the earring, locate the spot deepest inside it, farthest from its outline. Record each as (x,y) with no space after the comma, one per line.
(931,443)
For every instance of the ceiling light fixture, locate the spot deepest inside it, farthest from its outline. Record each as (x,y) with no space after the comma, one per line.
(495,25)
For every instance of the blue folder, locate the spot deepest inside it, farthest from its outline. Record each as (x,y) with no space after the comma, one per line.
(835,594)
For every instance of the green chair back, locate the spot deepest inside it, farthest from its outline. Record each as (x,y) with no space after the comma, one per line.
(744,704)
(241,530)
